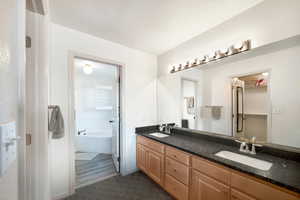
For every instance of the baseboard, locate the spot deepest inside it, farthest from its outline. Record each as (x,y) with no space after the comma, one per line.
(61,196)
(130,171)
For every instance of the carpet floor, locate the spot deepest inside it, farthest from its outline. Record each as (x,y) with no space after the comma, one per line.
(136,186)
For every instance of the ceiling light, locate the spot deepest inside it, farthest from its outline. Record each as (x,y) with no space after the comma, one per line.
(87,69)
(265,74)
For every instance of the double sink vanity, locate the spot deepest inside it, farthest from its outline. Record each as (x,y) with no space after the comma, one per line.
(199,166)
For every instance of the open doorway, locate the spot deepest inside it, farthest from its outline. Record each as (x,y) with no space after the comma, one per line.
(97,124)
(189,103)
(250,106)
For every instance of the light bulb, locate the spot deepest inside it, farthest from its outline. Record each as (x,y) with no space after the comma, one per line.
(87,69)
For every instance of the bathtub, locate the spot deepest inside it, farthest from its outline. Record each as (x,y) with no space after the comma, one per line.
(94,142)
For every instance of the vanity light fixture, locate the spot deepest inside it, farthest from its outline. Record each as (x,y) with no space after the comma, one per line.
(88,69)
(232,50)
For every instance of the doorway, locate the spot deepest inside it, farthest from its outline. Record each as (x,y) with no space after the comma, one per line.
(189,103)
(250,106)
(97,120)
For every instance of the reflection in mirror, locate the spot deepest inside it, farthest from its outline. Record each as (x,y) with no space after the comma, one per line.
(253,96)
(250,105)
(189,103)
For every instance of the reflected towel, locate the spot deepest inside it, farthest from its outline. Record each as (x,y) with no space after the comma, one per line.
(56,125)
(190,105)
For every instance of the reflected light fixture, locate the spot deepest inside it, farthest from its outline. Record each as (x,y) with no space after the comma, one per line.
(265,74)
(217,55)
(88,69)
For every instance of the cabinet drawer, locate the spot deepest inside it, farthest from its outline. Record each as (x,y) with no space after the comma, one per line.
(236,195)
(211,169)
(178,155)
(257,189)
(206,188)
(155,146)
(177,170)
(175,188)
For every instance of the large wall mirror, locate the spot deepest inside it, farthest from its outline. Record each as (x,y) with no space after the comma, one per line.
(255,96)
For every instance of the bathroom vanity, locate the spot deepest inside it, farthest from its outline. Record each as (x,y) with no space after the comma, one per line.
(187,167)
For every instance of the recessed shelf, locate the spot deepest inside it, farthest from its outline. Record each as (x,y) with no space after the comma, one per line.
(104,108)
(104,87)
(257,114)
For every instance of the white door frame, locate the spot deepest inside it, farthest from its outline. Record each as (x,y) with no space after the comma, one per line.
(38,179)
(21,62)
(71,112)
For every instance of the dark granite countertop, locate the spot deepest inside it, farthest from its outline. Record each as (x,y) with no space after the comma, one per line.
(284,172)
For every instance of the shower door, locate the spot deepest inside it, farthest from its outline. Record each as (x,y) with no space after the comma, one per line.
(238,118)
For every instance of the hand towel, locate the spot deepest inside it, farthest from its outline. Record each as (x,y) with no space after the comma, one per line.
(56,125)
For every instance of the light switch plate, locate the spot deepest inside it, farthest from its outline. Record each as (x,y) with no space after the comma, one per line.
(8,146)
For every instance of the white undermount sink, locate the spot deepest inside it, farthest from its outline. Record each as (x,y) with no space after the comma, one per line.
(159,135)
(246,160)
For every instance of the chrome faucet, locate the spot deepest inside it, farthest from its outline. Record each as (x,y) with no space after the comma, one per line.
(165,128)
(162,127)
(244,147)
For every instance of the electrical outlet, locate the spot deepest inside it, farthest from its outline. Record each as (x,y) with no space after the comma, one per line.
(276,110)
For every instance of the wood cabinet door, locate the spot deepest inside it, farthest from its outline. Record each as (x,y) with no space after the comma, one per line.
(155,166)
(237,195)
(141,157)
(206,188)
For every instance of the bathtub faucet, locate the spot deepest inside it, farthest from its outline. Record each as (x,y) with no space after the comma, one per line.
(81,131)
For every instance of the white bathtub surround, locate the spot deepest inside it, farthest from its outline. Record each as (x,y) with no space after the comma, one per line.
(97,142)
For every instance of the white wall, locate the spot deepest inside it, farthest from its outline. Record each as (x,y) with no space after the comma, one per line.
(257,24)
(169,102)
(268,22)
(94,99)
(284,93)
(12,51)
(139,94)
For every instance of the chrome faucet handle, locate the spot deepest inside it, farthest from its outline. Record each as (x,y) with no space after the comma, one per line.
(161,127)
(81,131)
(244,146)
(253,145)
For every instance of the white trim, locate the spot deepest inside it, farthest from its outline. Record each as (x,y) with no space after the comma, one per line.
(21,62)
(38,186)
(61,196)
(71,112)
(127,172)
